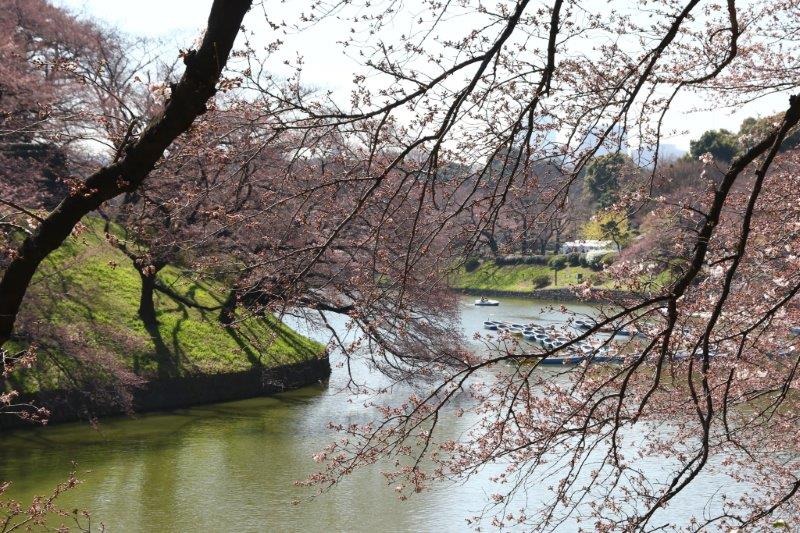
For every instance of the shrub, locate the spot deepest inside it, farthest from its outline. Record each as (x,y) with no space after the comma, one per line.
(536,260)
(594,279)
(558,262)
(609,258)
(506,260)
(472,264)
(516,259)
(540,281)
(574,259)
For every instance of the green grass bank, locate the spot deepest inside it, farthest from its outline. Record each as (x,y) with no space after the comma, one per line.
(520,278)
(81,311)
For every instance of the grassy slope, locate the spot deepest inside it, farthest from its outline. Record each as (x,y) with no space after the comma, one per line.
(78,290)
(515,277)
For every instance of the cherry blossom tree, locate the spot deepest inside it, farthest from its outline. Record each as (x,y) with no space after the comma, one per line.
(63,86)
(187,101)
(526,83)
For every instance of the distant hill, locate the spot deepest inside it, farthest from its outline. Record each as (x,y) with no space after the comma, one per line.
(644,157)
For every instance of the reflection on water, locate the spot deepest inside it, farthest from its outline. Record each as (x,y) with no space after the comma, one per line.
(232,466)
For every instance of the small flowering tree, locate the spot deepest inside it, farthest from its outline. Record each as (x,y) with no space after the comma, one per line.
(43,511)
(609,225)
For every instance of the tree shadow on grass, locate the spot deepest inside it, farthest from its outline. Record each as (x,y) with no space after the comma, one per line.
(166,362)
(246,337)
(171,360)
(58,285)
(261,340)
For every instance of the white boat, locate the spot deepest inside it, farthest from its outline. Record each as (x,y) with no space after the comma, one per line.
(560,343)
(486,302)
(585,349)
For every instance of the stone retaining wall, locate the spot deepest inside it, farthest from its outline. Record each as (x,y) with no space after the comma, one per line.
(173,393)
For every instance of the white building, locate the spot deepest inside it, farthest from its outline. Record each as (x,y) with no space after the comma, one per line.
(584,246)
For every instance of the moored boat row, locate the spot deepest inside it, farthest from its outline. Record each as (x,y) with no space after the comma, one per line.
(550,338)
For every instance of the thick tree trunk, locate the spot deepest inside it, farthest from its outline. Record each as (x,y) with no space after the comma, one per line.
(490,240)
(188,101)
(558,241)
(147,308)
(228,312)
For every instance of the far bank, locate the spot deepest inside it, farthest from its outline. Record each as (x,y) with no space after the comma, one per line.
(553,278)
(565,295)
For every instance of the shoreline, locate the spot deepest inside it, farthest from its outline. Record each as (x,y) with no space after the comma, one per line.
(175,393)
(565,294)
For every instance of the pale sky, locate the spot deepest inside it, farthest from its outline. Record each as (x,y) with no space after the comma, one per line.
(178,22)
